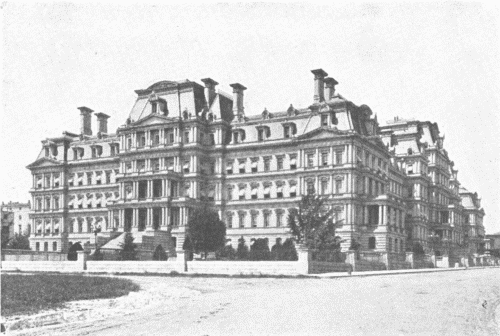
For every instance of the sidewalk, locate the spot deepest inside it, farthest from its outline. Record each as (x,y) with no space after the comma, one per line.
(391,272)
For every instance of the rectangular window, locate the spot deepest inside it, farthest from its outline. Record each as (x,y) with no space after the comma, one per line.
(241,218)
(155,165)
(141,165)
(279,162)
(260,134)
(279,219)
(253,219)
(229,221)
(339,157)
(293,162)
(310,160)
(229,167)
(279,192)
(242,167)
(324,187)
(324,120)
(267,164)
(229,194)
(143,189)
(157,188)
(338,186)
(155,137)
(46,246)
(174,190)
(54,246)
(154,107)
(37,246)
(255,165)
(89,178)
(185,167)
(254,193)
(141,139)
(286,131)
(108,177)
(186,137)
(143,215)
(372,243)
(324,158)
(266,219)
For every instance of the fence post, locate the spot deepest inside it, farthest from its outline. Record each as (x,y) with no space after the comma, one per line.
(385,260)
(351,259)
(433,259)
(82,259)
(304,259)
(446,261)
(409,258)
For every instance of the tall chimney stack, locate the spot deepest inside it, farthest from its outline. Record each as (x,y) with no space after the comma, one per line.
(238,89)
(319,94)
(85,120)
(102,122)
(329,88)
(210,93)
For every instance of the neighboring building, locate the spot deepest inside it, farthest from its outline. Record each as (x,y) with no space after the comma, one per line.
(20,216)
(493,241)
(184,144)
(7,218)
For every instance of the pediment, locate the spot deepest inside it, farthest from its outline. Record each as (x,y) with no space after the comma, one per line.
(44,162)
(321,133)
(152,119)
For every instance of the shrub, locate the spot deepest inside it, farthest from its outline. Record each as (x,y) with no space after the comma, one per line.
(72,253)
(226,253)
(159,253)
(242,250)
(128,251)
(289,253)
(19,242)
(260,249)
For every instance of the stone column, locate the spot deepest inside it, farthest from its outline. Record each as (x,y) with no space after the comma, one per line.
(409,258)
(351,259)
(82,259)
(304,259)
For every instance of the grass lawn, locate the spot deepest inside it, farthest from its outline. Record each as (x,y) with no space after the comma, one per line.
(31,293)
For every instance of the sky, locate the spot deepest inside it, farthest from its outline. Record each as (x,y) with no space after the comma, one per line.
(427,61)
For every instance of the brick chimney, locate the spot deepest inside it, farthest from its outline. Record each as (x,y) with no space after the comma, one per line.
(85,120)
(210,93)
(319,76)
(238,89)
(102,122)
(329,88)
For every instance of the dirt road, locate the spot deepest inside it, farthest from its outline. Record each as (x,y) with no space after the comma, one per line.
(447,303)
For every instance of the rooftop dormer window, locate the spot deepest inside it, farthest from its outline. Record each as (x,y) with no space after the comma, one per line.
(289,129)
(238,136)
(264,132)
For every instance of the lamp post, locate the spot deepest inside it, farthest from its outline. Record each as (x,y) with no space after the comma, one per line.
(96,229)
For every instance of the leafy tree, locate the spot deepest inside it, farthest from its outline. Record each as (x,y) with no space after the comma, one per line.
(19,242)
(418,249)
(242,250)
(206,231)
(311,224)
(159,253)
(260,249)
(128,247)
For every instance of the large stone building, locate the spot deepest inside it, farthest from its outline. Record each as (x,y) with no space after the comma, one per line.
(184,144)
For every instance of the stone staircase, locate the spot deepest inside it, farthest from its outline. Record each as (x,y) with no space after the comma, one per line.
(145,240)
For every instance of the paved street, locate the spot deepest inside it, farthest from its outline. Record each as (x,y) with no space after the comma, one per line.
(447,303)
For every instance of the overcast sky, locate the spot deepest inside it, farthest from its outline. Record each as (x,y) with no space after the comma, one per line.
(436,62)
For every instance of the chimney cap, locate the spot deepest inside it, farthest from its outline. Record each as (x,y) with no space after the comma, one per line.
(330,81)
(237,87)
(101,115)
(209,82)
(319,73)
(85,109)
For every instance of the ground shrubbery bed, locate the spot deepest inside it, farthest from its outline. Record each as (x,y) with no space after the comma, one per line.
(31,293)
